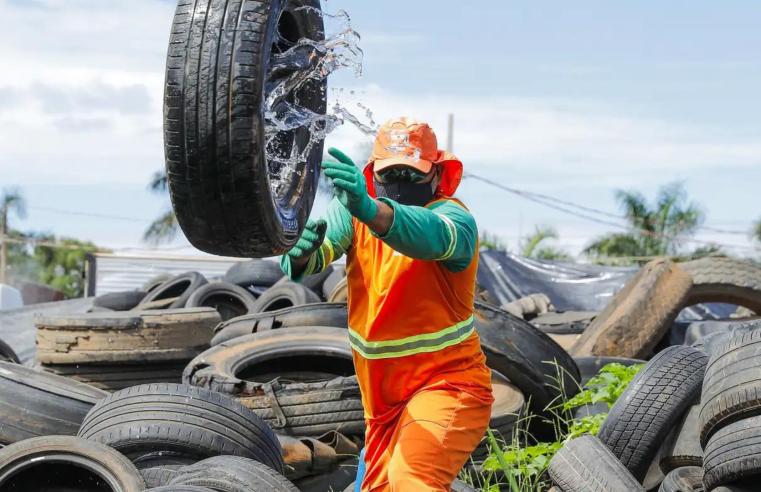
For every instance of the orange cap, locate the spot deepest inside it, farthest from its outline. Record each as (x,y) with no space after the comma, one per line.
(408,142)
(405,142)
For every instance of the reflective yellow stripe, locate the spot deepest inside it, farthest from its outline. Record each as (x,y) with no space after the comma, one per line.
(326,253)
(452,238)
(417,344)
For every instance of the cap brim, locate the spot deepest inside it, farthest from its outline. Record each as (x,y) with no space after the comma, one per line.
(420,164)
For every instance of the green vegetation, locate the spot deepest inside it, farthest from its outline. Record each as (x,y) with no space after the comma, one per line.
(521,464)
(531,245)
(757,230)
(492,242)
(165,227)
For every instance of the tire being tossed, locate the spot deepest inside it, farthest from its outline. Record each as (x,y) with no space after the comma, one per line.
(35,403)
(651,406)
(725,280)
(65,463)
(335,315)
(586,465)
(218,167)
(177,418)
(639,315)
(233,474)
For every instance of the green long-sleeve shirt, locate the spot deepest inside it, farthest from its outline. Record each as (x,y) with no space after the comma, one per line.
(444,231)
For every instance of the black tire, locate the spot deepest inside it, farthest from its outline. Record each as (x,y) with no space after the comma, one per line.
(162,459)
(340,292)
(172,417)
(287,294)
(457,486)
(711,342)
(34,403)
(229,300)
(651,405)
(33,464)
(527,357)
(639,315)
(732,385)
(180,287)
(218,70)
(7,354)
(589,366)
(725,280)
(684,479)
(567,323)
(243,365)
(155,282)
(259,273)
(587,465)
(119,301)
(233,474)
(334,315)
(315,282)
(181,488)
(682,447)
(329,285)
(115,377)
(157,337)
(733,453)
(158,476)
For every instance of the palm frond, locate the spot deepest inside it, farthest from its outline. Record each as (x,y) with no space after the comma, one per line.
(13,201)
(757,230)
(162,230)
(159,182)
(541,233)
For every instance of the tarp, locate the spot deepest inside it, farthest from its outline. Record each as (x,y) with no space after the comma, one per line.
(570,286)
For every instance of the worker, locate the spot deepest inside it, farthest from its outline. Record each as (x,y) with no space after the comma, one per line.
(411,260)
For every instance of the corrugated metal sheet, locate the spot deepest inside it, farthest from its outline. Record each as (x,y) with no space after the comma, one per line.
(116,273)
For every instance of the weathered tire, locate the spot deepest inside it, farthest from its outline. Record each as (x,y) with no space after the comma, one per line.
(233,474)
(682,447)
(340,292)
(457,486)
(113,377)
(31,465)
(733,453)
(651,405)
(284,295)
(525,356)
(732,385)
(229,300)
(179,287)
(257,272)
(34,403)
(567,323)
(589,367)
(639,315)
(7,354)
(725,280)
(119,301)
(158,476)
(149,336)
(171,417)
(506,412)
(155,282)
(684,479)
(334,315)
(181,488)
(162,459)
(587,465)
(218,70)
(339,272)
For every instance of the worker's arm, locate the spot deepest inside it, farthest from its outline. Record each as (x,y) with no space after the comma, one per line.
(339,236)
(444,232)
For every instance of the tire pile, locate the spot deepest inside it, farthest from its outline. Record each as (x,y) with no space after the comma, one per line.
(690,421)
(240,385)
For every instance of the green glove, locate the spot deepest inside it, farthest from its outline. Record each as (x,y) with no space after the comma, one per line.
(349,186)
(309,242)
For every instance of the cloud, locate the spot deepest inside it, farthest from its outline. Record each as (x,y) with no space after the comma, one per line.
(71,125)
(96,96)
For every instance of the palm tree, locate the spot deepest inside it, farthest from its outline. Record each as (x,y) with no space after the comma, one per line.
(11,201)
(165,228)
(757,230)
(658,230)
(530,246)
(492,242)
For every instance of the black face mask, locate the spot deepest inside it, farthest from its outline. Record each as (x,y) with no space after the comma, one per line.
(406,193)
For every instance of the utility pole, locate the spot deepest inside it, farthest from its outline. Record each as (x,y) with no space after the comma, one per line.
(450,134)
(4,244)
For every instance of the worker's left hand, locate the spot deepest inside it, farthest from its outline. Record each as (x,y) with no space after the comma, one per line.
(349,186)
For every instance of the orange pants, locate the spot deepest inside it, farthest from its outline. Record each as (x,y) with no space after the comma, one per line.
(427,445)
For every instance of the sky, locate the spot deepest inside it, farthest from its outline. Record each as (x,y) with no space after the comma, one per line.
(568,99)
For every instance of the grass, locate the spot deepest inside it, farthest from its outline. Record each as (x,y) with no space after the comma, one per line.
(520,465)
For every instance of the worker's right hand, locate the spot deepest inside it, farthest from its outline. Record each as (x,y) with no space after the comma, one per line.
(309,242)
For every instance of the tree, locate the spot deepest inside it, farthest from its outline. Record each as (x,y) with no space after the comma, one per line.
(63,266)
(757,230)
(165,227)
(492,242)
(530,246)
(657,230)
(11,201)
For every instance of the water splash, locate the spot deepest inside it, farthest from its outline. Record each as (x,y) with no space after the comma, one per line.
(303,63)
